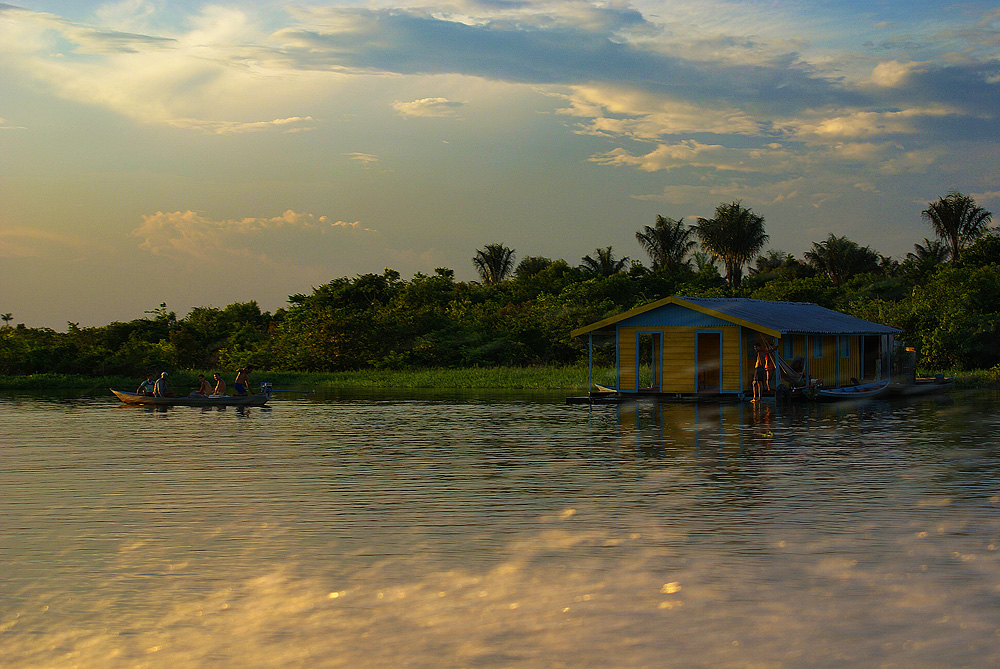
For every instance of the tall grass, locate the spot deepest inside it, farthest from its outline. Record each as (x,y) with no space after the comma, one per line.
(510,378)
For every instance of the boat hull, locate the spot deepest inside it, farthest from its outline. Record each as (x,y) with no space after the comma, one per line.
(187,401)
(862,391)
(921,387)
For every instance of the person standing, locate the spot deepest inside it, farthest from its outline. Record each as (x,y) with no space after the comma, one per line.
(759,371)
(242,382)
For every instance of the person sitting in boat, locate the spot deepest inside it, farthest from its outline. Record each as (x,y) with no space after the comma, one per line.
(146,387)
(204,387)
(220,385)
(242,381)
(160,388)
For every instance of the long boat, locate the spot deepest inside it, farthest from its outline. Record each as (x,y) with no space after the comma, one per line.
(861,391)
(257,400)
(921,386)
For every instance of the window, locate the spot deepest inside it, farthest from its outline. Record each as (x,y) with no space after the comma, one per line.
(817,347)
(788,355)
(845,346)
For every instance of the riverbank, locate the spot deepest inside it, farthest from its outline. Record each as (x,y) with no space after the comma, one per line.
(485,378)
(471,378)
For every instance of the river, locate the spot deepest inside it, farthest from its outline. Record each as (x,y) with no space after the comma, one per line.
(499,530)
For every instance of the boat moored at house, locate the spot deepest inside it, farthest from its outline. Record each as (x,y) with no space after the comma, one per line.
(704,347)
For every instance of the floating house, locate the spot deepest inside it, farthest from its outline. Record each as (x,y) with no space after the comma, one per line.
(697,345)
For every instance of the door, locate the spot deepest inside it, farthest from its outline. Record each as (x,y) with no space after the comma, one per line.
(708,356)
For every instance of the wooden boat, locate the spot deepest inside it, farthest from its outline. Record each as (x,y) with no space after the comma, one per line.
(861,391)
(921,386)
(257,400)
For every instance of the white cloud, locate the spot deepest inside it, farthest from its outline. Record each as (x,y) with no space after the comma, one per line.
(770,159)
(429,108)
(862,124)
(894,73)
(25,242)
(291,124)
(188,236)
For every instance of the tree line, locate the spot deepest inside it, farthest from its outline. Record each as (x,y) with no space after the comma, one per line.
(945,296)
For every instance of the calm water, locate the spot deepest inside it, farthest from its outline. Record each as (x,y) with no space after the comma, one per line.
(499,531)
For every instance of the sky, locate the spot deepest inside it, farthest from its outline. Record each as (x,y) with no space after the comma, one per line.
(200,153)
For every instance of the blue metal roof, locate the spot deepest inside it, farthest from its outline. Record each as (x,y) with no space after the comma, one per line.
(791,317)
(778,318)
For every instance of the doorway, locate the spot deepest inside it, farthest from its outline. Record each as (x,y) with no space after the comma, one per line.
(648,349)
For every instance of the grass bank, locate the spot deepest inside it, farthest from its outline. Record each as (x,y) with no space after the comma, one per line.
(485,378)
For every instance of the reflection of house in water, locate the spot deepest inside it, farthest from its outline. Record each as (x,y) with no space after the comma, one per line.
(704,346)
(724,429)
(719,428)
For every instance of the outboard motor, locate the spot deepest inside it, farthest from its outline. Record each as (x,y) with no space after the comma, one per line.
(265,388)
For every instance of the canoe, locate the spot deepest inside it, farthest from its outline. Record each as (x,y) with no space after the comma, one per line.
(258,400)
(922,386)
(861,391)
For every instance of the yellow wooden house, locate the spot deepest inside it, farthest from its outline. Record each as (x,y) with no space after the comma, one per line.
(698,345)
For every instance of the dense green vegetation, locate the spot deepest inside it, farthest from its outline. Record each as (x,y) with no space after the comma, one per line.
(945,296)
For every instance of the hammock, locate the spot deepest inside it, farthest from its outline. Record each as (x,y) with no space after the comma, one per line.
(793,377)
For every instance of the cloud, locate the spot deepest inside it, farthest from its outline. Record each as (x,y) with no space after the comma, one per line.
(893,73)
(24,242)
(428,108)
(192,238)
(292,124)
(772,158)
(365,159)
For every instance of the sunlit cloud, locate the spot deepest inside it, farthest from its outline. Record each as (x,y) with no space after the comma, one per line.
(4,125)
(772,158)
(25,242)
(292,124)
(365,159)
(429,108)
(188,236)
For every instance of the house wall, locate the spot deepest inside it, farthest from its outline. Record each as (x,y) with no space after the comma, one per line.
(825,356)
(830,362)
(679,364)
(827,360)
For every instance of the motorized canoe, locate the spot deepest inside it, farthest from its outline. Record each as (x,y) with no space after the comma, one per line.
(258,400)
(921,386)
(860,391)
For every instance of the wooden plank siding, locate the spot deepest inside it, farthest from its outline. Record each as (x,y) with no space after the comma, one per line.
(678,368)
(626,358)
(678,360)
(731,377)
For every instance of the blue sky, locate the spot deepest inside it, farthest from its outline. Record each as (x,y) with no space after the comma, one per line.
(200,154)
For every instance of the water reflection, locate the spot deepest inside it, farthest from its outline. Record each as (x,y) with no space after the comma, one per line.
(498,531)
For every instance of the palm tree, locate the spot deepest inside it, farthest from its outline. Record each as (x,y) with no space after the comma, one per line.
(603,263)
(841,258)
(735,235)
(931,251)
(531,265)
(668,243)
(494,262)
(956,219)
(7,318)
